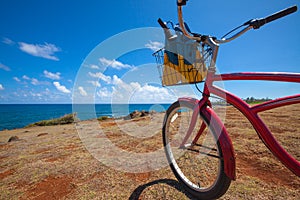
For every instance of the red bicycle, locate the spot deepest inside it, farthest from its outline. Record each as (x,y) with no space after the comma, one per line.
(197,145)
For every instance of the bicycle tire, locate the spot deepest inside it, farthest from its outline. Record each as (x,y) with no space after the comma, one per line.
(198,167)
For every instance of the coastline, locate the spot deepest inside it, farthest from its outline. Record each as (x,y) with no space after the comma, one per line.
(20,115)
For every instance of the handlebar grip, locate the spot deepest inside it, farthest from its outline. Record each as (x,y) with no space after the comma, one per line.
(181,2)
(161,23)
(167,31)
(281,13)
(257,23)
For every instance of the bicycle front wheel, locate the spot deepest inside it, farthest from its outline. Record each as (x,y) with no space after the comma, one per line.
(197,163)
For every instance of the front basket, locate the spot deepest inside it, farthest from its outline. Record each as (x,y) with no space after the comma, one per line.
(174,69)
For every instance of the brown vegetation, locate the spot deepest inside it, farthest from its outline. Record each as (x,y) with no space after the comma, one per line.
(58,166)
(66,119)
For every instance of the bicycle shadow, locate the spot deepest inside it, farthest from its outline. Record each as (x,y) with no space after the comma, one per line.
(173,183)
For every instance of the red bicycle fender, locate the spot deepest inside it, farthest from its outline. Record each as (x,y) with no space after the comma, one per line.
(189,100)
(224,139)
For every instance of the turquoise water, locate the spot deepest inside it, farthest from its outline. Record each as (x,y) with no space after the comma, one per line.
(19,115)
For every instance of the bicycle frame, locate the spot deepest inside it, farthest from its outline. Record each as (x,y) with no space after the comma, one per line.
(250,112)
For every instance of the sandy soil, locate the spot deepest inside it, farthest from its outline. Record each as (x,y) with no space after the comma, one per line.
(56,162)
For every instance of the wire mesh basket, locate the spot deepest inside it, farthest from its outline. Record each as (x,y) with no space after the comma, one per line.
(185,67)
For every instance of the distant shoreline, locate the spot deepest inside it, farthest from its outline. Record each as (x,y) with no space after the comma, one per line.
(14,116)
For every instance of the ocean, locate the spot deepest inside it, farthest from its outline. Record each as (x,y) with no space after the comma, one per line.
(19,115)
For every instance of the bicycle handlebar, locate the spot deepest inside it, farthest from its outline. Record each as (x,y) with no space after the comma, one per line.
(257,23)
(161,23)
(253,23)
(181,2)
(281,13)
(181,22)
(167,31)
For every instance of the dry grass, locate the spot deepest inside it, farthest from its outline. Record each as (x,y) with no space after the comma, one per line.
(58,166)
(66,119)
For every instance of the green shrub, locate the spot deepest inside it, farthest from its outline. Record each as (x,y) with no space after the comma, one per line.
(102,118)
(66,119)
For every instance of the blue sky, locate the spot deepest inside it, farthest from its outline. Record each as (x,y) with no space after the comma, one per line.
(44,44)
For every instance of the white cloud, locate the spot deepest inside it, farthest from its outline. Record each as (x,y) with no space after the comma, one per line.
(40,50)
(120,91)
(7,41)
(117,81)
(25,77)
(104,93)
(95,83)
(17,79)
(61,87)
(53,76)
(135,92)
(114,64)
(150,93)
(1,87)
(127,87)
(154,46)
(101,76)
(35,94)
(34,81)
(4,67)
(94,67)
(82,91)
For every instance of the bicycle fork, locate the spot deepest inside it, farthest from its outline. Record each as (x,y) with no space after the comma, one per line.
(225,142)
(192,125)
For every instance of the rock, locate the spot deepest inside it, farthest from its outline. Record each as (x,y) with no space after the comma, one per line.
(13,138)
(136,114)
(42,134)
(144,113)
(127,117)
